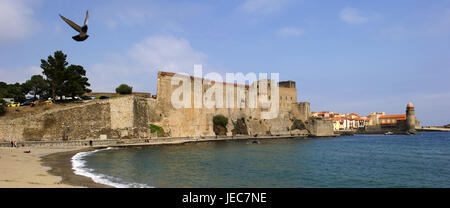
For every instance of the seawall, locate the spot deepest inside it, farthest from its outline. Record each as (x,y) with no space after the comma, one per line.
(139,142)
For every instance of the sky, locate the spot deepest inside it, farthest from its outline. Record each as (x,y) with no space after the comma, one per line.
(345,56)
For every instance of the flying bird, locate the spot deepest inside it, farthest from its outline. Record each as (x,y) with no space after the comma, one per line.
(82,30)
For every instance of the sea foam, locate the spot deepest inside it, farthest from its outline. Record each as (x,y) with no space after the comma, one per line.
(79,167)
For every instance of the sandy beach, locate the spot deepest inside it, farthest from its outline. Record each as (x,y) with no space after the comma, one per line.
(24,170)
(32,170)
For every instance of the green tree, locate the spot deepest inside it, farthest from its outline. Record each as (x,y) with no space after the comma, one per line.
(63,79)
(16,91)
(220,120)
(220,124)
(2,106)
(76,82)
(3,89)
(124,89)
(54,68)
(37,85)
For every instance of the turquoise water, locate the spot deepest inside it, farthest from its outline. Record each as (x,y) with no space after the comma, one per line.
(421,160)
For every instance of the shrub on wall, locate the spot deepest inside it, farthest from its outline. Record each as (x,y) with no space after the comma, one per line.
(159,130)
(220,124)
(220,120)
(298,124)
(124,89)
(240,127)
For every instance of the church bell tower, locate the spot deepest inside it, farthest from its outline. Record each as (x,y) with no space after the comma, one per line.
(410,119)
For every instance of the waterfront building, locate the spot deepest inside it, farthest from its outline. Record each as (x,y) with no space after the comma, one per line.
(380,122)
(374,118)
(343,121)
(376,122)
(388,121)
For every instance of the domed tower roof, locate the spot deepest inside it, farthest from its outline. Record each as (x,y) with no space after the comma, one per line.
(410,105)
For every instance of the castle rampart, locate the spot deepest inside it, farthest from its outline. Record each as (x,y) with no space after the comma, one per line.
(131,116)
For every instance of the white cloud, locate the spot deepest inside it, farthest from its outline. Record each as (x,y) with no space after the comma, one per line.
(20,75)
(34,70)
(262,6)
(289,32)
(353,16)
(138,66)
(15,20)
(166,52)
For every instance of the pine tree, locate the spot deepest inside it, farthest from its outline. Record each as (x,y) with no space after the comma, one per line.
(37,85)
(63,79)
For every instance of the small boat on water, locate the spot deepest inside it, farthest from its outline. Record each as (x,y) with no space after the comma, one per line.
(389,133)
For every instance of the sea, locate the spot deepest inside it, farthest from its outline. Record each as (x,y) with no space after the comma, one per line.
(360,161)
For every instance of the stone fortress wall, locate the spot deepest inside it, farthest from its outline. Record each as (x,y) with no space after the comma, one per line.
(198,121)
(84,121)
(131,116)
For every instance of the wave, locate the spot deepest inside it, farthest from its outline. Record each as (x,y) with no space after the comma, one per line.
(79,167)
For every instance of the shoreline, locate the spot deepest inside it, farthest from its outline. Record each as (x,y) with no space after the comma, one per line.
(56,162)
(61,165)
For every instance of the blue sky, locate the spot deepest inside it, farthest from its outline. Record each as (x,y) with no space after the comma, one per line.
(346,56)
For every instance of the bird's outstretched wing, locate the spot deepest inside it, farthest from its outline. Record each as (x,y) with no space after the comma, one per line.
(87,17)
(72,24)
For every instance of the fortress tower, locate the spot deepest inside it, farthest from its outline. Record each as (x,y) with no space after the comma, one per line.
(410,119)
